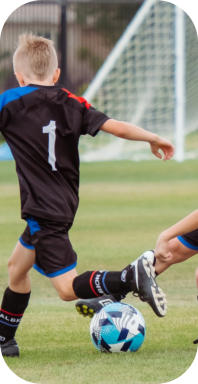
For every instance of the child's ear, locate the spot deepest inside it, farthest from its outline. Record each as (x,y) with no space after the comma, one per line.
(20,79)
(56,75)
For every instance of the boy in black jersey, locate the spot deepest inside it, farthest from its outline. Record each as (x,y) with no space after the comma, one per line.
(42,124)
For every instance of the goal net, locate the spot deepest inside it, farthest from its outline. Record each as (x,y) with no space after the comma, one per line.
(150,79)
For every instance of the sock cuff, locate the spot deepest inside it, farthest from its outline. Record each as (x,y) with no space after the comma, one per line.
(14,303)
(11,313)
(18,294)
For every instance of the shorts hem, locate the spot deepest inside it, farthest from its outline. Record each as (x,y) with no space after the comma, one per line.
(28,246)
(57,273)
(187,244)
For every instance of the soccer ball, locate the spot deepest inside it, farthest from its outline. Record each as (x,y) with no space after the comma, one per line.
(117,327)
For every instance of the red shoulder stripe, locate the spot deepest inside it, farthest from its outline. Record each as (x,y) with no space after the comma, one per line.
(81,100)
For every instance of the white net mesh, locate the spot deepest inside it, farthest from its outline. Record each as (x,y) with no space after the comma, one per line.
(140,87)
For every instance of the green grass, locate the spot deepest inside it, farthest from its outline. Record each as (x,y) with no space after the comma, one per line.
(123,207)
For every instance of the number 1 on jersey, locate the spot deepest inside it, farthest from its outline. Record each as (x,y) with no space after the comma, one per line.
(51,130)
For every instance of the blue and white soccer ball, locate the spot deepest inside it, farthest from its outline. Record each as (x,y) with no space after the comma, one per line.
(117,327)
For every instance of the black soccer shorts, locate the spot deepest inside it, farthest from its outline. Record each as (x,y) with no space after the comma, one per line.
(54,252)
(190,240)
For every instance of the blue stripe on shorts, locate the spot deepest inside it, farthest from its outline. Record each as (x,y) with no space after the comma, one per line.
(28,246)
(187,244)
(57,273)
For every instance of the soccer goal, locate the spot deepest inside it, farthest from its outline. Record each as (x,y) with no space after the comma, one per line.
(150,79)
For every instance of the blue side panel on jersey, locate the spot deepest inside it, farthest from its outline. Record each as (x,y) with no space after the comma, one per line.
(14,94)
(33,225)
(187,244)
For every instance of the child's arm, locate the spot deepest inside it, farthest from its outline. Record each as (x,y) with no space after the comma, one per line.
(132,132)
(188,224)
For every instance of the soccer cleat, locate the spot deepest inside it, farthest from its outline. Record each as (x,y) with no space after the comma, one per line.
(88,307)
(195,341)
(145,284)
(10,348)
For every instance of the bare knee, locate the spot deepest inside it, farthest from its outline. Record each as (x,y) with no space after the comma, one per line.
(179,251)
(12,268)
(15,273)
(175,248)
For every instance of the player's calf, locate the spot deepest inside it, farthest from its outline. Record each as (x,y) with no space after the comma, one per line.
(138,277)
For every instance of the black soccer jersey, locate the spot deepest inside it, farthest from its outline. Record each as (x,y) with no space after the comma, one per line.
(42,125)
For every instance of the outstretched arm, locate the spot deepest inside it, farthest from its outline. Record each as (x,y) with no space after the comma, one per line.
(132,132)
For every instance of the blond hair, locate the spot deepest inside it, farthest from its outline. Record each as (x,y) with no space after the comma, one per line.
(35,57)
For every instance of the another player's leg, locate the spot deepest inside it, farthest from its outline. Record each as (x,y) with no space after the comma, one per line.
(15,298)
(148,267)
(180,252)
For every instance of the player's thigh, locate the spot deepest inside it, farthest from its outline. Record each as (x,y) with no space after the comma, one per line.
(179,251)
(21,260)
(64,285)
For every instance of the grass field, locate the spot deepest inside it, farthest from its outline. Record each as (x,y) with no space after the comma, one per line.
(123,207)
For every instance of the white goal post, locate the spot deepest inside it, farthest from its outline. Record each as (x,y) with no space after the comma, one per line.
(150,78)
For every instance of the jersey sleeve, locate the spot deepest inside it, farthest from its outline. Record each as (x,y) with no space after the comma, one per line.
(92,120)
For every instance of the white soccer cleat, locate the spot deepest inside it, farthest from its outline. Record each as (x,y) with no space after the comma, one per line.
(146,286)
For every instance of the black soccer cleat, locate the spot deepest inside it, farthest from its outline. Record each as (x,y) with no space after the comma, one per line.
(195,341)
(145,284)
(10,348)
(88,307)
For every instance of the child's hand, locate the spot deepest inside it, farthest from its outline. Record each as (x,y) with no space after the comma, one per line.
(164,145)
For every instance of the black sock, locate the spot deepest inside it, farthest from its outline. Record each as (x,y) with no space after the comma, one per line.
(12,308)
(97,283)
